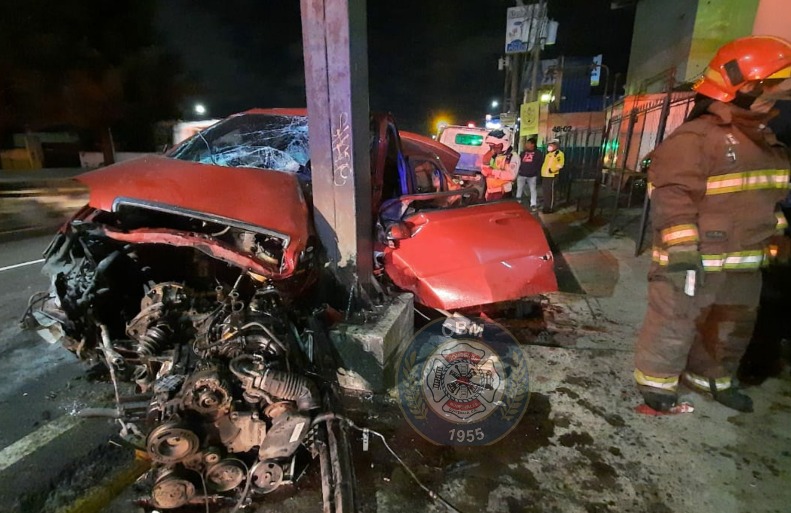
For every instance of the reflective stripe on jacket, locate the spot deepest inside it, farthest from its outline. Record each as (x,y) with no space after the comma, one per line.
(716,183)
(733,261)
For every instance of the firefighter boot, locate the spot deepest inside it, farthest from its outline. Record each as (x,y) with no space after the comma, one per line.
(731,397)
(658,398)
(728,393)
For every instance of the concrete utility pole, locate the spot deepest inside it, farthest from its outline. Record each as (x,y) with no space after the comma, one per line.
(513,77)
(336,80)
(516,78)
(542,5)
(605,139)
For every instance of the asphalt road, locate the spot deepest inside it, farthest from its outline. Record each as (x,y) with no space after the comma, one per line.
(42,443)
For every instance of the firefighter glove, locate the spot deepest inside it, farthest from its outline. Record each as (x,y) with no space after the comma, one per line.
(683,258)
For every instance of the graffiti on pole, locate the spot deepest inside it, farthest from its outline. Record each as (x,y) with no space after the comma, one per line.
(342,161)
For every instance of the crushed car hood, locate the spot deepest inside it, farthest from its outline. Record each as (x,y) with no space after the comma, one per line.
(268,199)
(469,256)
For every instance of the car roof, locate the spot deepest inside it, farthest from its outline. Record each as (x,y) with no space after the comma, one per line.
(277,112)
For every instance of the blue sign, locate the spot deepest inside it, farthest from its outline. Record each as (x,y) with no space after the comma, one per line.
(516,46)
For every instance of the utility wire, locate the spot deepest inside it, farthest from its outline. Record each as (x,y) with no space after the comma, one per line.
(431,493)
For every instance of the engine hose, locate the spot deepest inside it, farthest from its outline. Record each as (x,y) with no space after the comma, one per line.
(288,386)
(245,373)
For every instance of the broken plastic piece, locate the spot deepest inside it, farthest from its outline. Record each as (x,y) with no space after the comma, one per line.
(679,408)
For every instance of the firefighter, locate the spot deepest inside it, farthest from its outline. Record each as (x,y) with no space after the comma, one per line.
(715,185)
(497,167)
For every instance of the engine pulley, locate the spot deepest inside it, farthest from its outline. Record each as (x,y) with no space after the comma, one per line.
(267,476)
(225,475)
(170,443)
(172,492)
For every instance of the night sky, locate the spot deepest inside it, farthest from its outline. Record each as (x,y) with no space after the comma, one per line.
(425,57)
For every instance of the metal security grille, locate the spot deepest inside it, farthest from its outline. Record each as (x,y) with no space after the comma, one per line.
(604,166)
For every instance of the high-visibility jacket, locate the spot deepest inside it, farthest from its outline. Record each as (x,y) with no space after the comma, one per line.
(716,183)
(500,166)
(553,163)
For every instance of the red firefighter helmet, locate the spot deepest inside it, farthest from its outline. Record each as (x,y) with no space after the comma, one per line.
(743,60)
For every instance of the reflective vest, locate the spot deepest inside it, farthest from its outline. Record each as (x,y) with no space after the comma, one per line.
(553,163)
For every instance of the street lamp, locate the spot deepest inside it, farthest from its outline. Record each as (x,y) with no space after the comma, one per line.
(200,109)
(495,104)
(441,123)
(606,83)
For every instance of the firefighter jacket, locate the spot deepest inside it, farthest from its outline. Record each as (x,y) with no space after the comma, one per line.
(715,183)
(553,163)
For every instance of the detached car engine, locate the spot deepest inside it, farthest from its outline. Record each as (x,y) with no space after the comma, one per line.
(224,404)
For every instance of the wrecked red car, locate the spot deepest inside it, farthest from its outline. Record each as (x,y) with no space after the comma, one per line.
(188,274)
(441,242)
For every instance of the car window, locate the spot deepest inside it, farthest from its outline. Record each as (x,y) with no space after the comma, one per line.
(259,141)
(395,169)
(428,177)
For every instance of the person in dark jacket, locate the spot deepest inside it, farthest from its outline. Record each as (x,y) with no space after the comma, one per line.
(767,355)
(530,162)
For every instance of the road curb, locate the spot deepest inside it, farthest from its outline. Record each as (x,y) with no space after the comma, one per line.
(99,497)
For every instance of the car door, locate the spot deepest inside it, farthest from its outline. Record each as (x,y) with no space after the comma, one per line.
(472,255)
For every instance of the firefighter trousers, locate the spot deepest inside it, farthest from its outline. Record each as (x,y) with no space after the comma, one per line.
(705,335)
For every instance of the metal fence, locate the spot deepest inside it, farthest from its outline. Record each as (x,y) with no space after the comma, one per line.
(604,165)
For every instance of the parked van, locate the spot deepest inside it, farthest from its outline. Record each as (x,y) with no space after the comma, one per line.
(469,142)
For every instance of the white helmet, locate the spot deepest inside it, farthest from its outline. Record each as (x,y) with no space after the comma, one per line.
(498,137)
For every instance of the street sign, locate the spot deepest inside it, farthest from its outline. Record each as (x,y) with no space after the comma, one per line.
(529,114)
(507,119)
(524,25)
(517,29)
(596,70)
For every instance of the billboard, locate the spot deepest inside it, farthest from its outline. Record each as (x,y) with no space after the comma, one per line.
(523,24)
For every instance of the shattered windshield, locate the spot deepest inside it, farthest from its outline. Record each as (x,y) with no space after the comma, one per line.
(251,140)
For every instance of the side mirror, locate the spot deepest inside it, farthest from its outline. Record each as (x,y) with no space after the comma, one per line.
(398,231)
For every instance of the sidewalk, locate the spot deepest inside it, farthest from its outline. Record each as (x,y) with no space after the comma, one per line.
(581,447)
(12,177)
(36,202)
